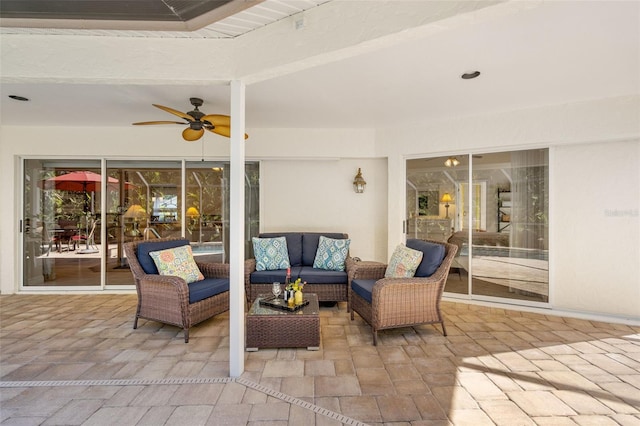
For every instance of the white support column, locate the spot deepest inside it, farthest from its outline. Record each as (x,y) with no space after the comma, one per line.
(236,231)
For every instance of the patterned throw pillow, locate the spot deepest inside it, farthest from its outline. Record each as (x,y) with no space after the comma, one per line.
(178,262)
(331,254)
(403,263)
(271,253)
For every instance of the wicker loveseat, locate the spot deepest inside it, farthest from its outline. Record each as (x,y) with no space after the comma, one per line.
(330,286)
(401,302)
(169,299)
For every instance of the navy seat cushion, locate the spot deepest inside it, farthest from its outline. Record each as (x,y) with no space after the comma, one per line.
(363,288)
(322,276)
(310,241)
(208,287)
(278,275)
(294,245)
(433,255)
(146,261)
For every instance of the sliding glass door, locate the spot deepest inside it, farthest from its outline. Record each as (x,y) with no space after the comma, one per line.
(494,207)
(60,225)
(76,220)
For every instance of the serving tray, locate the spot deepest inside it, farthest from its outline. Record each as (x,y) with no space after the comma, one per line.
(279,303)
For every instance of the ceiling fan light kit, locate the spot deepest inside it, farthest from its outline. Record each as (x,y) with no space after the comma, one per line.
(451,162)
(197,121)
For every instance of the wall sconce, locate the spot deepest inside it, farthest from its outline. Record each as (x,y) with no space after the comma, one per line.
(358,182)
(446,199)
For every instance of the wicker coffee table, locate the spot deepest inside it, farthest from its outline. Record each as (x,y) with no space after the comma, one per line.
(275,328)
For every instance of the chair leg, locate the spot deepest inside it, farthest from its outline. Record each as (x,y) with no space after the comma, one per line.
(375,337)
(444,330)
(135,323)
(186,335)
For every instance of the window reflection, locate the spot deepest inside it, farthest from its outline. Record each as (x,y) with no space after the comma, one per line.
(499,221)
(71,239)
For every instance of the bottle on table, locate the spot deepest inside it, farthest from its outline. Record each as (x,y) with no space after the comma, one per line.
(287,284)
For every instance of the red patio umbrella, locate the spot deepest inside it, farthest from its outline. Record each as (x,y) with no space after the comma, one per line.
(81,181)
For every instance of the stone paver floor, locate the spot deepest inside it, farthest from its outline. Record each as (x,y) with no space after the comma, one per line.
(75,360)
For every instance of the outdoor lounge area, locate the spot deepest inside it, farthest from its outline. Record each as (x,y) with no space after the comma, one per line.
(76,360)
(507,131)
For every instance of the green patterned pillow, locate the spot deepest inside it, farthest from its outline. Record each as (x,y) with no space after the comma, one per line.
(403,263)
(331,254)
(271,253)
(178,262)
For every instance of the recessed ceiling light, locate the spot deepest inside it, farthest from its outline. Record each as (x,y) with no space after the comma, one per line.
(19,98)
(470,75)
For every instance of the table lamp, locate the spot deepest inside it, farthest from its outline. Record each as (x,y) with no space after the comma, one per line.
(446,199)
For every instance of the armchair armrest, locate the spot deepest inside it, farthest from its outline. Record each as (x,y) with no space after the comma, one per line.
(166,297)
(405,301)
(164,287)
(214,270)
(365,270)
(250,265)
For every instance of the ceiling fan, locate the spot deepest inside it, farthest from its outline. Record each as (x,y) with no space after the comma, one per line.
(198,121)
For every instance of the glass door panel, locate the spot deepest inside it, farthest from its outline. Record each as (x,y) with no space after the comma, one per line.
(510,252)
(146,203)
(434,206)
(61,239)
(205,212)
(498,220)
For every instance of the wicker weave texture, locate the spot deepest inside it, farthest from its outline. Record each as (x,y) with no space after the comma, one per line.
(166,298)
(291,330)
(401,302)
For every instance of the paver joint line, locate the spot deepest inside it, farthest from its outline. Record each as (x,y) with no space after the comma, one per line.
(188,381)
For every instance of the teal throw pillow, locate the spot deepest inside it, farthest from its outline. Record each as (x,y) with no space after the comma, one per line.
(331,254)
(271,253)
(403,263)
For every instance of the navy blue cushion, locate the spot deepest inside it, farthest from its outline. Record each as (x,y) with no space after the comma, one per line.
(279,275)
(322,276)
(310,242)
(363,288)
(146,261)
(208,287)
(433,255)
(294,245)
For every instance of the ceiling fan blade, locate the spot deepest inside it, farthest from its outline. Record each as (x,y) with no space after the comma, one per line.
(224,131)
(144,123)
(191,135)
(174,112)
(218,119)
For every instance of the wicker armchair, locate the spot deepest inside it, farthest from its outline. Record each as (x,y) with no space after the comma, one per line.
(166,298)
(399,302)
